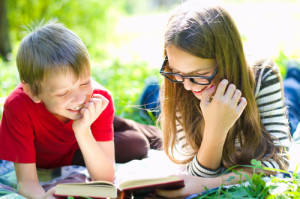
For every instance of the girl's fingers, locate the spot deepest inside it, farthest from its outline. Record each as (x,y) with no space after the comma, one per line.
(230,91)
(169,193)
(207,94)
(236,97)
(221,89)
(242,105)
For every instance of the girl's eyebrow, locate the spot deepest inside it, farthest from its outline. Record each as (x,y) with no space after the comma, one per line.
(205,69)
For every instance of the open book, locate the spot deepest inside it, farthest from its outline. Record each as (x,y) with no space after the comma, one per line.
(103,189)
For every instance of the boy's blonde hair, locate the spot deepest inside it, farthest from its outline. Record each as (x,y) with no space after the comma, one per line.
(50,48)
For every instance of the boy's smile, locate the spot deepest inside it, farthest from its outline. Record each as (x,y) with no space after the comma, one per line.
(64,95)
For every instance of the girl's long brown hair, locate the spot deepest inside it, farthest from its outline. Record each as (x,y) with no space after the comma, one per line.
(210,32)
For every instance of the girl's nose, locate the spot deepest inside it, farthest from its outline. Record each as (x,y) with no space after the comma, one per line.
(188,85)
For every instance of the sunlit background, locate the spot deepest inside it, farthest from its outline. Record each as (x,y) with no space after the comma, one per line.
(124,37)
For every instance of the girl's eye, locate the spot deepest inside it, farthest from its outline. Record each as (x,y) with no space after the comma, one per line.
(202,74)
(63,94)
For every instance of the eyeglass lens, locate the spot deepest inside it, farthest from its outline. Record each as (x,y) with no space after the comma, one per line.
(178,78)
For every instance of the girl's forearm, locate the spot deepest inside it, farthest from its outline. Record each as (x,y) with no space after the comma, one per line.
(99,164)
(210,152)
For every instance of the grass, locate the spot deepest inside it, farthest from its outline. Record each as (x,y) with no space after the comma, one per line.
(257,187)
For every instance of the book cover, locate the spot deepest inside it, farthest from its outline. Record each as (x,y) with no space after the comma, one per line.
(103,189)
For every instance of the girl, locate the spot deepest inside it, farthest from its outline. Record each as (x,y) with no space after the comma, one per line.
(219,109)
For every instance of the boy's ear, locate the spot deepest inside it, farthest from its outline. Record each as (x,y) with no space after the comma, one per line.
(29,92)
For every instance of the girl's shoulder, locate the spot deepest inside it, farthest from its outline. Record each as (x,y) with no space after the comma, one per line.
(264,68)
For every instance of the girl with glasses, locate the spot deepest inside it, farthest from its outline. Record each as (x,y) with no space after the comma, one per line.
(218,110)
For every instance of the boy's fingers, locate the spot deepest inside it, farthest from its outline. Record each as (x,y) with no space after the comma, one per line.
(87,110)
(83,110)
(98,96)
(87,99)
(100,101)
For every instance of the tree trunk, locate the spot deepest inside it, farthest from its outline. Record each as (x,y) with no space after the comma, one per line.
(5,47)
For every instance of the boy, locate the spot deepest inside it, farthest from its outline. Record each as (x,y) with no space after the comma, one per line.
(55,115)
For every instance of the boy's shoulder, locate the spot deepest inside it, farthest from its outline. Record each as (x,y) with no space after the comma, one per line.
(99,89)
(17,97)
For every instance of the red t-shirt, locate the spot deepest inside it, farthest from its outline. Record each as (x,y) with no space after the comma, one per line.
(29,133)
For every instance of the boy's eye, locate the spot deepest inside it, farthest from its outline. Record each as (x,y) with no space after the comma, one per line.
(63,94)
(86,83)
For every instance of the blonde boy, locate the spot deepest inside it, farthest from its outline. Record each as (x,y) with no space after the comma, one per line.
(55,115)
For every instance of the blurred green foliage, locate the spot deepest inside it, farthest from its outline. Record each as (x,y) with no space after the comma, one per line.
(94,21)
(126,83)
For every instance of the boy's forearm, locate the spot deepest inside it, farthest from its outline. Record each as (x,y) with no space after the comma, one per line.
(99,164)
(31,189)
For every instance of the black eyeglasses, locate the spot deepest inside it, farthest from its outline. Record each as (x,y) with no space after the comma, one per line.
(177,78)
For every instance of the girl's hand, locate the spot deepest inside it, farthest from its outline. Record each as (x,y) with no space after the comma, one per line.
(223,110)
(193,184)
(90,112)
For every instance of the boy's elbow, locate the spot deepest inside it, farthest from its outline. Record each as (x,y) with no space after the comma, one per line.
(109,178)
(105,175)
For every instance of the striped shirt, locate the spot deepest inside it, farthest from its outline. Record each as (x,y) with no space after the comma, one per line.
(269,99)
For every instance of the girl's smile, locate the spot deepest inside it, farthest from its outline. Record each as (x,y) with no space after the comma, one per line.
(185,63)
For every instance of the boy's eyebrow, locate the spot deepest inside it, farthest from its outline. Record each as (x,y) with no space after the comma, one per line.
(63,88)
(59,88)
(57,91)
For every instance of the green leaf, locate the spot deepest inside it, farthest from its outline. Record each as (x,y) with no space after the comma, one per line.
(256,163)
(230,178)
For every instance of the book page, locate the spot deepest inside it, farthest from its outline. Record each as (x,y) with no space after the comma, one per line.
(148,181)
(157,165)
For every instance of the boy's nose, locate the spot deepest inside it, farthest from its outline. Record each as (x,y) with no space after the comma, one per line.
(79,98)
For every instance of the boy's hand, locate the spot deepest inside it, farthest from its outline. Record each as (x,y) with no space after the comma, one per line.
(224,109)
(49,194)
(90,112)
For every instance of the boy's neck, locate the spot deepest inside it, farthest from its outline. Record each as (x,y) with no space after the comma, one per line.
(62,118)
